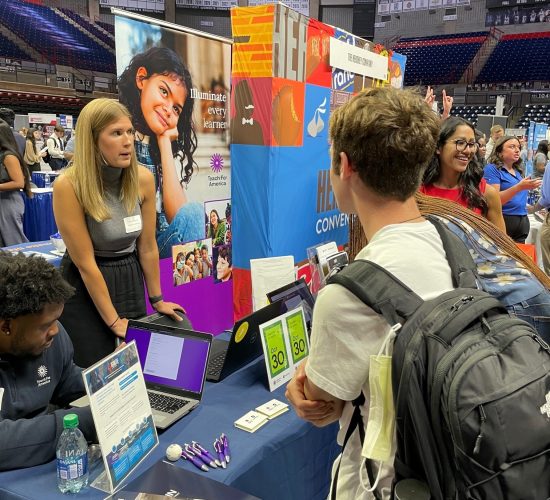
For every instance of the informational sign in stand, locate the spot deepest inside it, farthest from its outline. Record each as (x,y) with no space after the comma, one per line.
(122,415)
(286,344)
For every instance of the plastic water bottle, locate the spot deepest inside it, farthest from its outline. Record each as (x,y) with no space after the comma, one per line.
(72,457)
(47,181)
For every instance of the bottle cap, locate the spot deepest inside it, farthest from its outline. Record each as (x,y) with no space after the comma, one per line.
(70,421)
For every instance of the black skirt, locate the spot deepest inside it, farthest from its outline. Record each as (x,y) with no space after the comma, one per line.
(92,339)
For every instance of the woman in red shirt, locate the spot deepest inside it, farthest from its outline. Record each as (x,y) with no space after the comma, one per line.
(455,174)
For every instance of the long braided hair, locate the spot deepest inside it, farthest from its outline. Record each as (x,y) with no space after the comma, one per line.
(449,210)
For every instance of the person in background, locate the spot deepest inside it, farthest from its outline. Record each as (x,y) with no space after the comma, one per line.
(32,155)
(524,153)
(540,159)
(56,147)
(69,149)
(8,116)
(14,177)
(455,175)
(381,142)
(104,206)
(497,131)
(481,140)
(37,372)
(544,203)
(503,269)
(23,131)
(505,173)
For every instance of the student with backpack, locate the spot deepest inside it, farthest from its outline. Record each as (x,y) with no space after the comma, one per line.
(381,141)
(431,379)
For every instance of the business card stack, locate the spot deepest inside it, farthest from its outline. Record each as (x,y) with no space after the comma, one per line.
(272,409)
(251,421)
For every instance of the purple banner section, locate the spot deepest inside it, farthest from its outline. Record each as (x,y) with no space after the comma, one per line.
(209,305)
(193,361)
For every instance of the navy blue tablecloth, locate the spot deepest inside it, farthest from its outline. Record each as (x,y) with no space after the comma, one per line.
(43,248)
(39,178)
(38,220)
(285,459)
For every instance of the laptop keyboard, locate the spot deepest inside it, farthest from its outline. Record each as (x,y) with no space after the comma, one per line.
(215,364)
(166,404)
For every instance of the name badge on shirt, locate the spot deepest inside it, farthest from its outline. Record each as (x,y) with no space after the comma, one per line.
(1,396)
(132,224)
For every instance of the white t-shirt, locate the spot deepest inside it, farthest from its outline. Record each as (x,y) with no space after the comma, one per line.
(345,332)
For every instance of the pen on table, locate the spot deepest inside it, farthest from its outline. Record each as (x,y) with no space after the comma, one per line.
(199,450)
(191,451)
(218,446)
(195,461)
(226,450)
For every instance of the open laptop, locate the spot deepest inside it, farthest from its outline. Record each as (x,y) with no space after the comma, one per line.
(292,296)
(244,346)
(173,361)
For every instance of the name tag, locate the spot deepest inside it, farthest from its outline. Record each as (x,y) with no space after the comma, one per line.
(1,396)
(132,224)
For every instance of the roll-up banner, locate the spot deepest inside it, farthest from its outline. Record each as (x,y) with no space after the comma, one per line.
(175,82)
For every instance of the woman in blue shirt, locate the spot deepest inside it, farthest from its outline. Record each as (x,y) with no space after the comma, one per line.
(505,173)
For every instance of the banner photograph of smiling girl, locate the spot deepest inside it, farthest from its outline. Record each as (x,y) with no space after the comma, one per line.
(176,86)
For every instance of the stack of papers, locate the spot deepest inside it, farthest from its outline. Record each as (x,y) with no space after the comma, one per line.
(251,421)
(272,409)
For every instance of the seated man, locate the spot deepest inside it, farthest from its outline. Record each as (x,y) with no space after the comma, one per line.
(36,362)
(381,142)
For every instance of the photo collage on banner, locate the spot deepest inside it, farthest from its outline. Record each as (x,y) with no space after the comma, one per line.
(284,89)
(176,86)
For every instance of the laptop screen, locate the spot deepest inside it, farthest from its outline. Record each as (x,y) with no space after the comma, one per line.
(294,295)
(172,360)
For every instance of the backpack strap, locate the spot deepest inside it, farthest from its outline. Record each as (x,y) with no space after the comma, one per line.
(463,267)
(356,422)
(379,289)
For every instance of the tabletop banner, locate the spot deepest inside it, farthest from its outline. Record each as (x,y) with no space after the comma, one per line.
(176,86)
(284,88)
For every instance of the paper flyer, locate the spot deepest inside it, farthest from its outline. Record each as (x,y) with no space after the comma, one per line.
(122,413)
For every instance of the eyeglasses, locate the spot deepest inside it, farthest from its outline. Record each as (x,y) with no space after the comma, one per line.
(461,145)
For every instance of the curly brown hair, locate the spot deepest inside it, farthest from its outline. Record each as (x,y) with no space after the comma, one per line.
(389,136)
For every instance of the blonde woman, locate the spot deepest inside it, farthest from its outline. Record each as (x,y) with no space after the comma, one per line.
(104,206)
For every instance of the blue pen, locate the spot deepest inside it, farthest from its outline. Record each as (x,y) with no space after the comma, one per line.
(199,450)
(226,450)
(218,446)
(195,461)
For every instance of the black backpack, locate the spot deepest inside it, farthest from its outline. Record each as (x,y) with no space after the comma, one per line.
(471,385)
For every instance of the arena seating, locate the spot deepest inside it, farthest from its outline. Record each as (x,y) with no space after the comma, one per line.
(8,49)
(441,59)
(89,26)
(53,36)
(470,112)
(518,58)
(536,113)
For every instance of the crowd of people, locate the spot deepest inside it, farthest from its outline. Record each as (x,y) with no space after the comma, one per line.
(394,163)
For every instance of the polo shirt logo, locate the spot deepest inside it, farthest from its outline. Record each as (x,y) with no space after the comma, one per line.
(43,379)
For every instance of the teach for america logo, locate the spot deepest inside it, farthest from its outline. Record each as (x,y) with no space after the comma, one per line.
(43,376)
